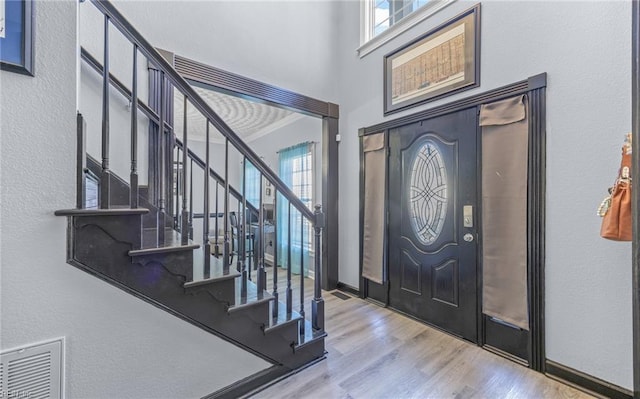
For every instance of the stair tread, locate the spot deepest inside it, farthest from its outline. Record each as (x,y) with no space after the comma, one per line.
(172,243)
(310,335)
(114,211)
(282,318)
(216,270)
(253,296)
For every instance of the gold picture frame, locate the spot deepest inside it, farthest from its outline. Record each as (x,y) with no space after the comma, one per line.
(444,61)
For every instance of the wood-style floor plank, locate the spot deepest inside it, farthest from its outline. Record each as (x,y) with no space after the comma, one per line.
(374,352)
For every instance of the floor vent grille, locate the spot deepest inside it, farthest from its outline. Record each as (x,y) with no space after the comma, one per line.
(33,372)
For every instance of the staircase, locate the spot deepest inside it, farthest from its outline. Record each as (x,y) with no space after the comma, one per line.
(140,238)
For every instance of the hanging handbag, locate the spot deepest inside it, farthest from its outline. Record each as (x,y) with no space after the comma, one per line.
(616,208)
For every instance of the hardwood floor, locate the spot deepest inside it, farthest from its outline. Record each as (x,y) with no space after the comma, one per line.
(374,352)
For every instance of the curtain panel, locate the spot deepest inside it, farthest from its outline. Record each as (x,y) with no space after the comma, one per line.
(373,267)
(290,235)
(505,131)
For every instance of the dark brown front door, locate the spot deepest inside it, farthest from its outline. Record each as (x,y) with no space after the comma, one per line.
(433,222)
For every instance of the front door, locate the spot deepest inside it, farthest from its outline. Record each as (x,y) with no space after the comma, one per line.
(433,221)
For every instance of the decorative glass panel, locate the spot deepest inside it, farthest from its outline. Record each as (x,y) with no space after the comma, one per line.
(428,193)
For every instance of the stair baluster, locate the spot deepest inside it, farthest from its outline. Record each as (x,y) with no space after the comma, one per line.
(191,199)
(262,274)
(227,242)
(133,178)
(302,274)
(217,245)
(184,228)
(176,213)
(205,221)
(169,138)
(161,169)
(81,162)
(289,291)
(105,176)
(317,305)
(242,266)
(275,256)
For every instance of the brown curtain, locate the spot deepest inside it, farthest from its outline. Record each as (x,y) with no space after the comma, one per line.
(505,130)
(374,189)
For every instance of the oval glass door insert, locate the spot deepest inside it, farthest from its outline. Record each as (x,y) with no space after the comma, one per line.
(428,193)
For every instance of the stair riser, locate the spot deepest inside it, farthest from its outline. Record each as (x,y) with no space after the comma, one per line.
(179,263)
(288,332)
(223,290)
(118,229)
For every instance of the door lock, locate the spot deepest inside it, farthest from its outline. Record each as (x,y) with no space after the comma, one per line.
(468,237)
(467,216)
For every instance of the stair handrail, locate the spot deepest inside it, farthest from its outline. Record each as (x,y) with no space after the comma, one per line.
(153,116)
(153,55)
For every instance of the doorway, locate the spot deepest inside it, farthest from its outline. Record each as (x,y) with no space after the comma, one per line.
(432,234)
(432,227)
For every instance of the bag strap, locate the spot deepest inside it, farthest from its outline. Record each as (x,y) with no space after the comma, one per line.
(625,166)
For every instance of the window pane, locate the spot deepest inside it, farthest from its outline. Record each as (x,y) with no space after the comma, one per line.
(389,12)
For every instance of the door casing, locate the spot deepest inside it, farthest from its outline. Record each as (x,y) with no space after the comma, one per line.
(535,88)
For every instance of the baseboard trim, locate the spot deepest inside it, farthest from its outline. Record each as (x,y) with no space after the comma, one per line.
(349,289)
(250,383)
(259,381)
(585,382)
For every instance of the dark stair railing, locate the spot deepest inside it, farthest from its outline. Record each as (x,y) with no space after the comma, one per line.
(184,216)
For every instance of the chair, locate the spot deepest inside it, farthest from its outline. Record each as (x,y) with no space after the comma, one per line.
(249,239)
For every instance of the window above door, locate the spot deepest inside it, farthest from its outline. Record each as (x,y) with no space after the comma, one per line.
(382,20)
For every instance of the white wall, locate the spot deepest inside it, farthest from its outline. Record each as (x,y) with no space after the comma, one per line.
(585,48)
(289,44)
(117,345)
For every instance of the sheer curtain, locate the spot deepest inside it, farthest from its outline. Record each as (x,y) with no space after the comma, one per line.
(252,186)
(293,162)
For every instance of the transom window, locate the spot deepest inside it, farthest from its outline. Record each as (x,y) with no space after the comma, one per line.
(389,12)
(382,20)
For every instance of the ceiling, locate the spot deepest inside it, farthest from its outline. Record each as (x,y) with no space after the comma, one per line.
(250,120)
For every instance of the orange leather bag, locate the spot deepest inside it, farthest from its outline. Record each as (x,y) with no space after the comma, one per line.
(616,222)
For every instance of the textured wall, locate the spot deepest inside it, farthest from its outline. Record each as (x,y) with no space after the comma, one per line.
(117,345)
(585,48)
(289,44)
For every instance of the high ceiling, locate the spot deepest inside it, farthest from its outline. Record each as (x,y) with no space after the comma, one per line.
(250,120)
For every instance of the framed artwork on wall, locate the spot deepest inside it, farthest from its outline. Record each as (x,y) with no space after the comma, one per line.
(444,61)
(16,36)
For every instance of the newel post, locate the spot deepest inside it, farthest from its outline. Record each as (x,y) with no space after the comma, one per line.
(317,306)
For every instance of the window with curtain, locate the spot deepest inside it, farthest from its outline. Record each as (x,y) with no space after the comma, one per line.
(295,170)
(252,184)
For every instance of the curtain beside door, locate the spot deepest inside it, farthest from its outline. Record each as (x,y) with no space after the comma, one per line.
(374,208)
(505,128)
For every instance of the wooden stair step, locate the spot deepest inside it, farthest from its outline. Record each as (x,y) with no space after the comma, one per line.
(282,319)
(115,211)
(172,243)
(217,271)
(254,296)
(310,336)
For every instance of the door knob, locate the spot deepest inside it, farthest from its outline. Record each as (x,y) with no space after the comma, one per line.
(468,237)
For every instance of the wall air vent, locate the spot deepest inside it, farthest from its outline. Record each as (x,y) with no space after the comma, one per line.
(33,372)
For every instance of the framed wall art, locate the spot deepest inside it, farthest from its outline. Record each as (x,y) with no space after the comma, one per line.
(16,36)
(444,61)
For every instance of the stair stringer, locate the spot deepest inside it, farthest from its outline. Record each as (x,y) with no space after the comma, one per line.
(159,279)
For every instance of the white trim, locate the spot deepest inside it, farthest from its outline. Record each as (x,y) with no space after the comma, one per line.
(396,29)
